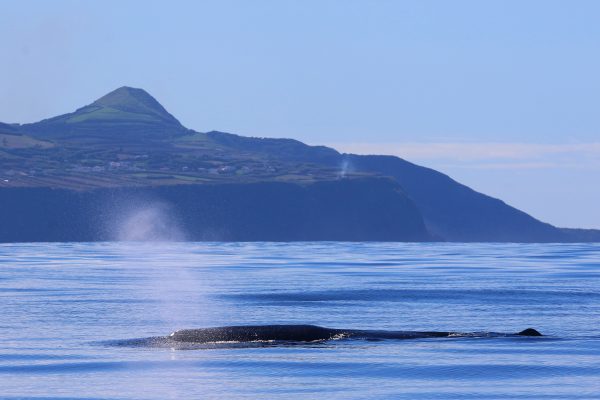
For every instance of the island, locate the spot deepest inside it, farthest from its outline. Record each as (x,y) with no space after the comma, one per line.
(125,163)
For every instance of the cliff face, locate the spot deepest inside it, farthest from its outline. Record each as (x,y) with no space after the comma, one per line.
(456,212)
(344,210)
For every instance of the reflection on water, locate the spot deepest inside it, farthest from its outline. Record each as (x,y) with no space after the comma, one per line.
(61,303)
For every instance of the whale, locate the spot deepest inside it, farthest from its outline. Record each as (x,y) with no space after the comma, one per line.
(273,335)
(314,333)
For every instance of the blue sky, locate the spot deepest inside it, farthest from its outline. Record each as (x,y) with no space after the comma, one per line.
(501,95)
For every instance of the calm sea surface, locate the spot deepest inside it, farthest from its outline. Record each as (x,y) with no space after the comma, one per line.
(62,304)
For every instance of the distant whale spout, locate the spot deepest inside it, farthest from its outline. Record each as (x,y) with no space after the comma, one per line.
(313,333)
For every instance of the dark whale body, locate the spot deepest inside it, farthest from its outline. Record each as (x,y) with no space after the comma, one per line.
(313,333)
(269,335)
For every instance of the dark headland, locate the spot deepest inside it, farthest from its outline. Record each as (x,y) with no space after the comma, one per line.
(79,176)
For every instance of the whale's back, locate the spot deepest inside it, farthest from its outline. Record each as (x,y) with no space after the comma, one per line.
(312,333)
(252,333)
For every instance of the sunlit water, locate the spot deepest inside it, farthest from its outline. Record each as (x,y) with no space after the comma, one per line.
(62,304)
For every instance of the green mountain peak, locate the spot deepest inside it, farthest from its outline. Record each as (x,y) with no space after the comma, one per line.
(125,112)
(132,100)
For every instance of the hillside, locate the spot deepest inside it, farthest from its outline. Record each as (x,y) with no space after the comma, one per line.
(126,141)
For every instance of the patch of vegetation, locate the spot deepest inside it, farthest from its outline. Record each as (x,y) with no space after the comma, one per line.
(11,141)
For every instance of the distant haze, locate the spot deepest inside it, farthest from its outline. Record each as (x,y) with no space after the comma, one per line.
(501,95)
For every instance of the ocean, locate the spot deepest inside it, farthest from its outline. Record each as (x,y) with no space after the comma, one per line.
(64,307)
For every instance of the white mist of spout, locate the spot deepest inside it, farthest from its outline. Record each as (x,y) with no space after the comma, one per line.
(150,222)
(344,168)
(151,233)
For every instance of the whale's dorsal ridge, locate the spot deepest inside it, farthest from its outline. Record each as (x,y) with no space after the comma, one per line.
(529,332)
